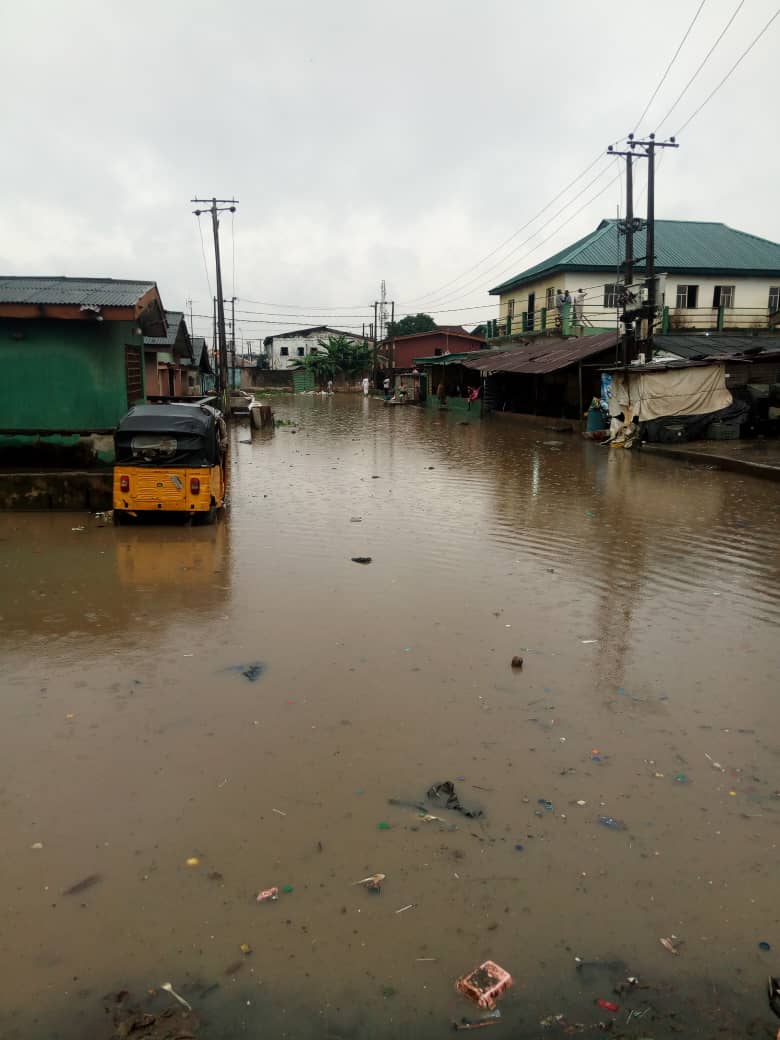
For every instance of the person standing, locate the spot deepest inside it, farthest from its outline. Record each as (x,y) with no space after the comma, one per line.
(386,387)
(330,387)
(579,306)
(365,384)
(560,300)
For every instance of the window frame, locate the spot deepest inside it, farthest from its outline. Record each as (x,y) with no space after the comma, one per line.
(718,295)
(687,306)
(774,292)
(284,351)
(612,294)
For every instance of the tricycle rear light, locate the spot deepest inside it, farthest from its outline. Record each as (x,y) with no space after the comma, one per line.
(194,485)
(124,484)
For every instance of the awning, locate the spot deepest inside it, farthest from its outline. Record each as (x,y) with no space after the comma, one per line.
(543,356)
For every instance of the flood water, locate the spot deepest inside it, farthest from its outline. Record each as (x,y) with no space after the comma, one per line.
(644,597)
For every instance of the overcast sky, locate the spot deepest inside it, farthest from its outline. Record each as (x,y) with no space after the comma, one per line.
(404,141)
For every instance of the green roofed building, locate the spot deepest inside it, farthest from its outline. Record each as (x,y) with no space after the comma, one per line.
(709,276)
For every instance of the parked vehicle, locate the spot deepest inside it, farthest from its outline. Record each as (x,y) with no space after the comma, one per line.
(170,458)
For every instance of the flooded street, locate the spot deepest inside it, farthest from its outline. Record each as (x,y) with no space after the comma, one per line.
(644,598)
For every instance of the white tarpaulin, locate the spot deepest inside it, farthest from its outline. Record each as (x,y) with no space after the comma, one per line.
(668,392)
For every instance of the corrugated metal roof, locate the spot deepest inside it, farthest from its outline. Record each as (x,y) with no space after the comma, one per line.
(545,355)
(98,292)
(172,319)
(701,346)
(680,245)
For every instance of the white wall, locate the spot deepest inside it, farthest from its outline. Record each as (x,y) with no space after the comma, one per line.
(751,298)
(294,344)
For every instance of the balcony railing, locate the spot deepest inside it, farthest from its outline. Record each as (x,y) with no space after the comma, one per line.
(670,319)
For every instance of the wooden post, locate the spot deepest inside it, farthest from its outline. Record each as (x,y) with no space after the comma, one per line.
(721,318)
(543,319)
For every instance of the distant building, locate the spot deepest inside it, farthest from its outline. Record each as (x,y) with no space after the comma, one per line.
(167,359)
(285,348)
(710,276)
(402,350)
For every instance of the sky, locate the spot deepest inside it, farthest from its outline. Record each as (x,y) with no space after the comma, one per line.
(440,145)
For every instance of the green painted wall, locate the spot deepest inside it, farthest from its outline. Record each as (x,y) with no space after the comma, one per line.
(64,375)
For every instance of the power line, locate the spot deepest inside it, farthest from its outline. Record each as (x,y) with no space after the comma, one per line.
(669,66)
(715,90)
(703,63)
(506,241)
(446,297)
(306,306)
(553,233)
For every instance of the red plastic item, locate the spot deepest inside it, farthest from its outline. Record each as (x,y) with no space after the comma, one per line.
(608,1005)
(194,485)
(485,984)
(268,895)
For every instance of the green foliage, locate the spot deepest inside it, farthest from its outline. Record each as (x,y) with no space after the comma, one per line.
(410,324)
(337,354)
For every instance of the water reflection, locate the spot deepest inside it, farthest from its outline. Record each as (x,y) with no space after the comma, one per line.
(644,599)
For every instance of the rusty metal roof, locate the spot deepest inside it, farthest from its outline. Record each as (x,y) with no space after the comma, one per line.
(544,355)
(96,292)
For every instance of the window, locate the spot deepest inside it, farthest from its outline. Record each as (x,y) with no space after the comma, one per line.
(774,299)
(284,351)
(301,351)
(612,293)
(550,299)
(687,296)
(510,308)
(723,296)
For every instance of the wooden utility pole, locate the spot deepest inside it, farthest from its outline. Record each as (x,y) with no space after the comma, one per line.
(630,226)
(649,147)
(216,207)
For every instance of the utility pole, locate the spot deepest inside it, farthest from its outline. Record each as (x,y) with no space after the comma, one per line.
(233,339)
(630,226)
(649,147)
(627,228)
(374,328)
(392,326)
(214,340)
(216,207)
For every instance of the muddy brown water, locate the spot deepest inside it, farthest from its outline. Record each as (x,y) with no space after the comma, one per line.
(643,596)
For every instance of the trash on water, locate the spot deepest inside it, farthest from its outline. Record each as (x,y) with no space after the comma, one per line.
(251,671)
(581,801)
(764,946)
(356,519)
(361,559)
(83,885)
(373,882)
(681,778)
(279,812)
(193,861)
(612,823)
(409,906)
(485,984)
(547,804)
(245,948)
(37,845)
(608,1005)
(470,1023)
(517,662)
(444,794)
(672,943)
(714,764)
(383,825)
(585,642)
(268,895)
(596,756)
(169,988)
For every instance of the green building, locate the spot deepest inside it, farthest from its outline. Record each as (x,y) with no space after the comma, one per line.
(72,363)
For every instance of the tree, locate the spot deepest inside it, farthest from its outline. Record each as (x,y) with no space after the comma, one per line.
(410,324)
(337,354)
